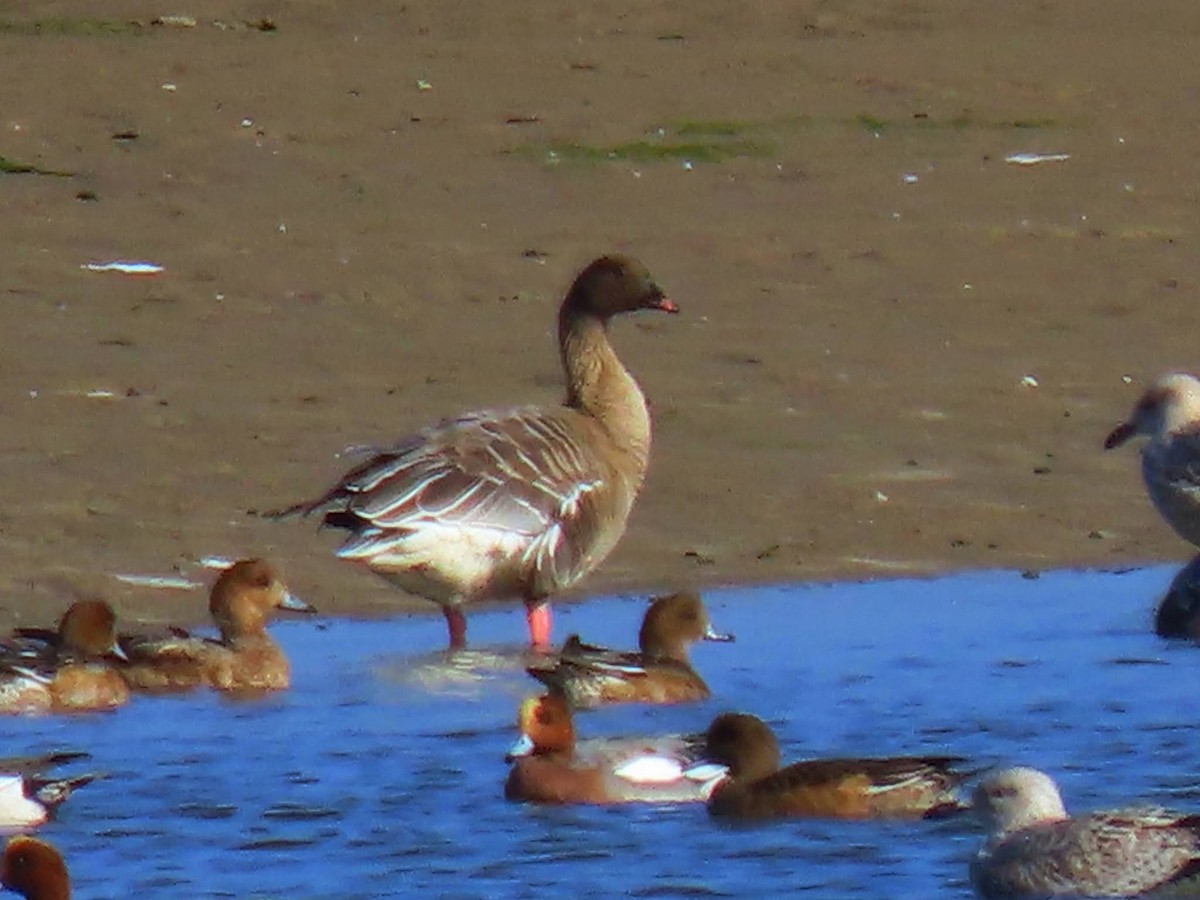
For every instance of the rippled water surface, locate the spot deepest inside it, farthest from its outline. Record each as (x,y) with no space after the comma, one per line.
(379,774)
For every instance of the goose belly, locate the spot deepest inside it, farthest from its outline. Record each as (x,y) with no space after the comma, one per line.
(454,564)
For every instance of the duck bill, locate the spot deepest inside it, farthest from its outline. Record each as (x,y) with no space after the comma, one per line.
(523,747)
(666,304)
(1119,435)
(292,603)
(117,652)
(709,775)
(710,634)
(706,770)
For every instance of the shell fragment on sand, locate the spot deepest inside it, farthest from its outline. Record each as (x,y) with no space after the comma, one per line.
(216,562)
(166,582)
(125,267)
(1034,159)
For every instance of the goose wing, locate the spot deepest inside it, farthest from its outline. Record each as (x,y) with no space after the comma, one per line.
(527,473)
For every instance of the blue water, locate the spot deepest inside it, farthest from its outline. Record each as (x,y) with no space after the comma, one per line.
(379,774)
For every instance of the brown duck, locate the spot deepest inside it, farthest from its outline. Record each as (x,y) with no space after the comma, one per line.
(68,669)
(245,658)
(660,672)
(862,788)
(548,766)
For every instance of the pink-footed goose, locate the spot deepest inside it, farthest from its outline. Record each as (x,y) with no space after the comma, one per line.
(517,503)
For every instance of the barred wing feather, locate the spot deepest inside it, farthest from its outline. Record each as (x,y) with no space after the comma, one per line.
(527,475)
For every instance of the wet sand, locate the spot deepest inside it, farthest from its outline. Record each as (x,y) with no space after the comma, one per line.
(899,353)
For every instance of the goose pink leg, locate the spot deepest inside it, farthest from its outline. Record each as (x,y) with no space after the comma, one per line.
(537,615)
(456,622)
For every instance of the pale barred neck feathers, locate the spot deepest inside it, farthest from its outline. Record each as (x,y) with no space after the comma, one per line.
(598,384)
(1018,798)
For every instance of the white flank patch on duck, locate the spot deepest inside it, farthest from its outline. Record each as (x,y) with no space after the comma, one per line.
(650,770)
(17,810)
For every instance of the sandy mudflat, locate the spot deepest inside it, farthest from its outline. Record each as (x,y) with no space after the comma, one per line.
(899,353)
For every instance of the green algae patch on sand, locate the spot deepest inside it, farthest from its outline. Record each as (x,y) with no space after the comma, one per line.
(13,167)
(685,142)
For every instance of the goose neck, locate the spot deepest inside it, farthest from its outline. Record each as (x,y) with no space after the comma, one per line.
(599,385)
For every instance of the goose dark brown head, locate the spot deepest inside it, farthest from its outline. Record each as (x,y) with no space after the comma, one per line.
(612,285)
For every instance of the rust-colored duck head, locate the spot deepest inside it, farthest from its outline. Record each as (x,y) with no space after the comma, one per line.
(34,869)
(89,627)
(546,727)
(246,595)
